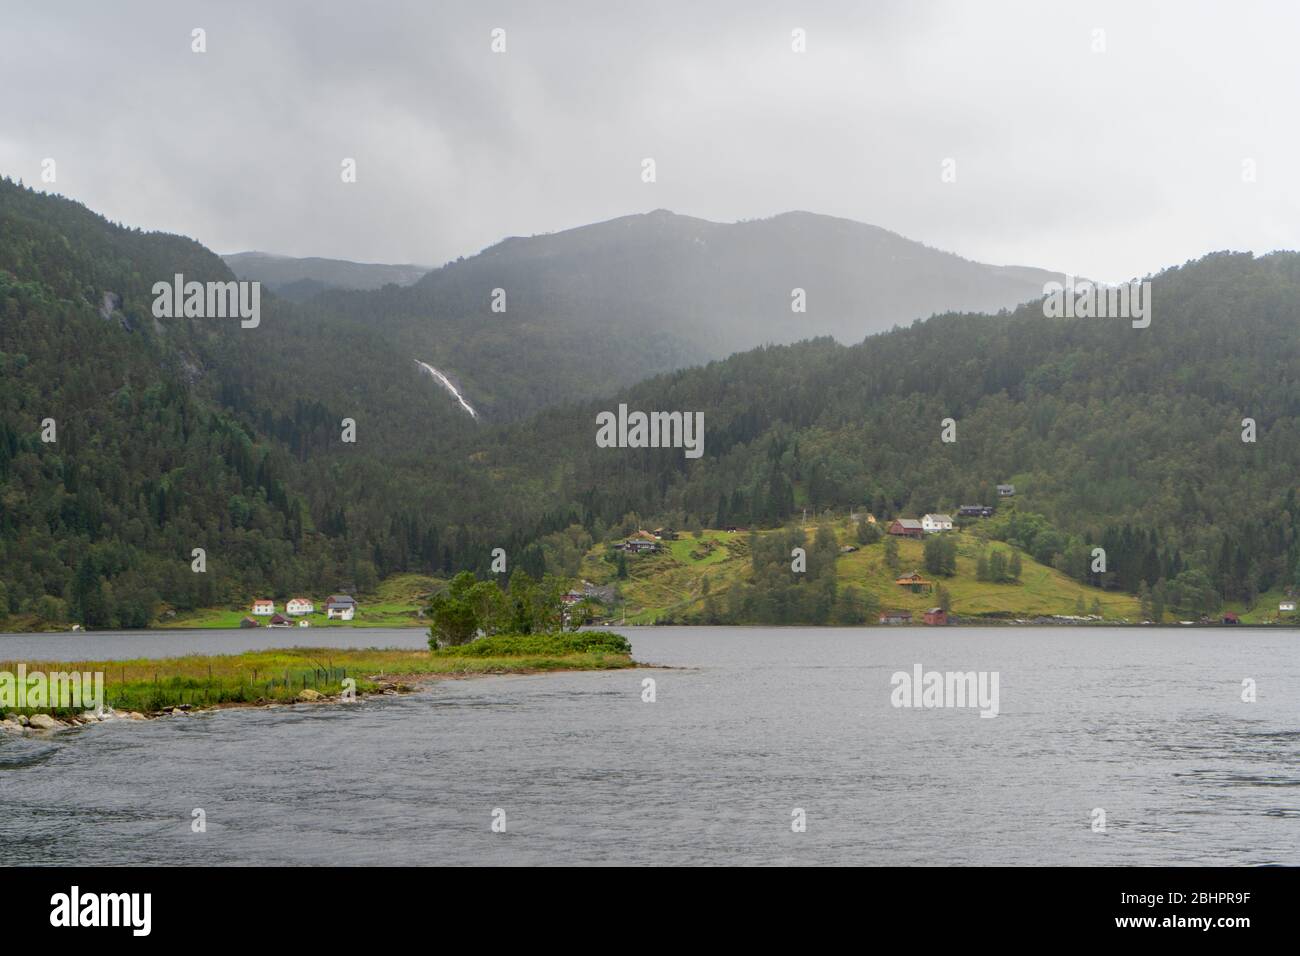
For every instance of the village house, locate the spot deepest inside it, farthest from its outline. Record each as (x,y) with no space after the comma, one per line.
(299,605)
(1287,606)
(895,617)
(1006,491)
(279,620)
(263,607)
(1231,618)
(249,622)
(936,617)
(906,528)
(974,511)
(932,524)
(340,607)
(641,543)
(914,582)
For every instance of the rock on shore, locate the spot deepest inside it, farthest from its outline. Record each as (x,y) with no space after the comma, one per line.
(21,723)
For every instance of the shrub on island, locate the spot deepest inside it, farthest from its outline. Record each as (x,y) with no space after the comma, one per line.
(551,644)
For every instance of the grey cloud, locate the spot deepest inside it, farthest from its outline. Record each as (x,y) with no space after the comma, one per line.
(1109,165)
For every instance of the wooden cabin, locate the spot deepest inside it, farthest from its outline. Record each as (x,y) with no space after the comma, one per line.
(914,582)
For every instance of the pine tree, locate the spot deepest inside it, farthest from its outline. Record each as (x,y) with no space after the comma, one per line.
(943,598)
(891,553)
(825,550)
(933,552)
(949,555)
(1144,600)
(89,600)
(997,566)
(1158,601)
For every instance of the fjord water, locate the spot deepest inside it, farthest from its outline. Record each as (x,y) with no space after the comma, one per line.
(748,724)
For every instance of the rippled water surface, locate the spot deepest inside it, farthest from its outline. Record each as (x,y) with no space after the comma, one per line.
(748,724)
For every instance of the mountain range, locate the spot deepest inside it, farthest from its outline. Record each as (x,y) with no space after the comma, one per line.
(300,279)
(582,312)
(193,433)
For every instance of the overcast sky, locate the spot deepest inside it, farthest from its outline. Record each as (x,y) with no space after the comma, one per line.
(1109,164)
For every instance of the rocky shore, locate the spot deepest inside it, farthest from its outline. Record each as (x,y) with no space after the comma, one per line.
(21,723)
(15,723)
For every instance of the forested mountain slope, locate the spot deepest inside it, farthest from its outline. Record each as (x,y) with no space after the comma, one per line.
(595,308)
(179,433)
(175,434)
(1118,437)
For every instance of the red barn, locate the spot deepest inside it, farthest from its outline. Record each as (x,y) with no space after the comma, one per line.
(906,528)
(936,616)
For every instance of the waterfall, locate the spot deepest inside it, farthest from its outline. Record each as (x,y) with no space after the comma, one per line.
(446,383)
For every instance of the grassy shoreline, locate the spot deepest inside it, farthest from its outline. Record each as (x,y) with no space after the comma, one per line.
(154,686)
(677,584)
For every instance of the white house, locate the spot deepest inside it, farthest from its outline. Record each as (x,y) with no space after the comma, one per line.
(340,607)
(299,605)
(1287,606)
(263,607)
(932,523)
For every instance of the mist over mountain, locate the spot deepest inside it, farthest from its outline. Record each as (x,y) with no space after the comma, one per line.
(726,287)
(300,279)
(608,304)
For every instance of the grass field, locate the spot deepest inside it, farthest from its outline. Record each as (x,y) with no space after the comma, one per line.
(672,581)
(1040,591)
(397,602)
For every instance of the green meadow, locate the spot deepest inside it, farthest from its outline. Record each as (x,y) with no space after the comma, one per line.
(149,686)
(673,580)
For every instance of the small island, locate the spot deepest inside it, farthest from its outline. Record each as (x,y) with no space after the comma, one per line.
(146,688)
(476,629)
